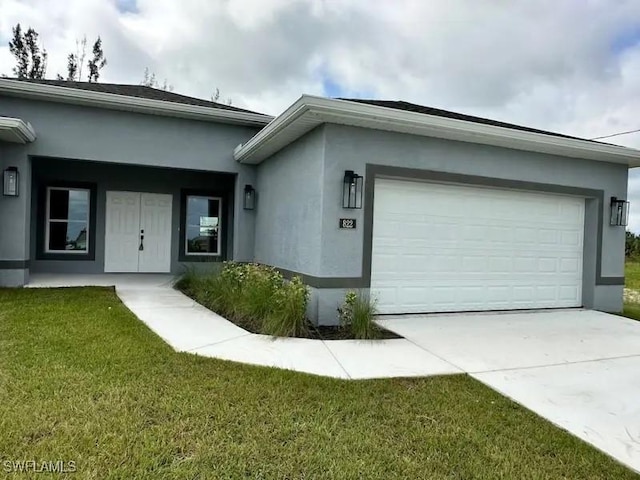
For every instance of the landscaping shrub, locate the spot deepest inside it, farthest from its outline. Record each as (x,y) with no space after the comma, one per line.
(187,282)
(288,318)
(357,313)
(194,282)
(257,286)
(218,294)
(252,295)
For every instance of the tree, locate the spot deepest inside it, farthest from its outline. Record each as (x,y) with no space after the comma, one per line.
(632,245)
(75,61)
(18,50)
(149,80)
(98,61)
(31,61)
(72,67)
(216,97)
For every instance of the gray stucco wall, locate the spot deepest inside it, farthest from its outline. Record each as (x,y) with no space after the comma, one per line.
(109,136)
(340,263)
(289,213)
(354,148)
(15,216)
(69,131)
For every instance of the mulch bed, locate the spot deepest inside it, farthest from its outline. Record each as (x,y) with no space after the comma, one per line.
(338,333)
(323,332)
(314,332)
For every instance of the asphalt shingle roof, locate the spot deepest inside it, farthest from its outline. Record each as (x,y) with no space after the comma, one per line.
(412,107)
(142,91)
(139,91)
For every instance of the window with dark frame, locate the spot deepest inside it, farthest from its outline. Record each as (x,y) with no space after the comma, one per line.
(203,234)
(67,220)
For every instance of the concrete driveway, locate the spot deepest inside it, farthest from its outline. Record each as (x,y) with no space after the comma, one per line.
(580,369)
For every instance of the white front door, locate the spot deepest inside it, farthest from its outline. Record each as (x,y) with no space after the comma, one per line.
(122,232)
(138,232)
(155,225)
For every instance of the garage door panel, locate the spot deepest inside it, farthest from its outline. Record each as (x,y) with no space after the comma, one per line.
(413,296)
(571,238)
(547,265)
(569,293)
(473,264)
(453,248)
(500,265)
(499,294)
(569,265)
(549,293)
(523,293)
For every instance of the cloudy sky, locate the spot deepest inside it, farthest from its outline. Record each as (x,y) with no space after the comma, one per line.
(571,66)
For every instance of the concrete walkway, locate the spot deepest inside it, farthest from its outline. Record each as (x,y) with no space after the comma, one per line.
(190,327)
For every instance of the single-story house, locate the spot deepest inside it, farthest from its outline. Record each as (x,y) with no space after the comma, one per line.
(429,210)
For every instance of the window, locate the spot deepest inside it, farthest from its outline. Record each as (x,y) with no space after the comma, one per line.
(202,226)
(67,220)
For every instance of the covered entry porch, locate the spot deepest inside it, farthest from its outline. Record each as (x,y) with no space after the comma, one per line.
(93,218)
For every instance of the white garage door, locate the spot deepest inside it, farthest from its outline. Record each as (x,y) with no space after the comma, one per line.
(448,248)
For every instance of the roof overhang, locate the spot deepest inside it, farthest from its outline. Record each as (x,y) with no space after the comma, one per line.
(54,93)
(309,111)
(16,131)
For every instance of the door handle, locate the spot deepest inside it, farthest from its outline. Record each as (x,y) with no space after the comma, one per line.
(141,247)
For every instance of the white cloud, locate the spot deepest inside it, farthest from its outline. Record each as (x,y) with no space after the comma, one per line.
(570,66)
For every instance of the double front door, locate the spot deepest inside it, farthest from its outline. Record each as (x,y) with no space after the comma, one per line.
(138,232)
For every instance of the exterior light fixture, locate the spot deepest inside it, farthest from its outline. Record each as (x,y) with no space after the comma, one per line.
(619,212)
(352,190)
(249,202)
(10,183)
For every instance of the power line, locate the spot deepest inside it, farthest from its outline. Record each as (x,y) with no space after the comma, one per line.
(615,134)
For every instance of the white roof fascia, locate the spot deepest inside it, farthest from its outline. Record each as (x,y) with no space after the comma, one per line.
(310,111)
(16,130)
(54,93)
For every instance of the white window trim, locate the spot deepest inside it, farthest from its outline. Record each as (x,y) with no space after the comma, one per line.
(186,228)
(48,222)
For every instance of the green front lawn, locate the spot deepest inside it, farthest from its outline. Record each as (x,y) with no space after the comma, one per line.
(81,379)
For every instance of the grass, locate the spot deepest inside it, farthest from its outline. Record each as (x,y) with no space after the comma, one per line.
(632,274)
(632,281)
(631,310)
(82,379)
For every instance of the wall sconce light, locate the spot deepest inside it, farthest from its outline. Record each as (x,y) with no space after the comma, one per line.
(249,202)
(619,212)
(352,190)
(10,183)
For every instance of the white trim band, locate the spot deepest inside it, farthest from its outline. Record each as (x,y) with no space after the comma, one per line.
(16,130)
(54,93)
(309,111)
